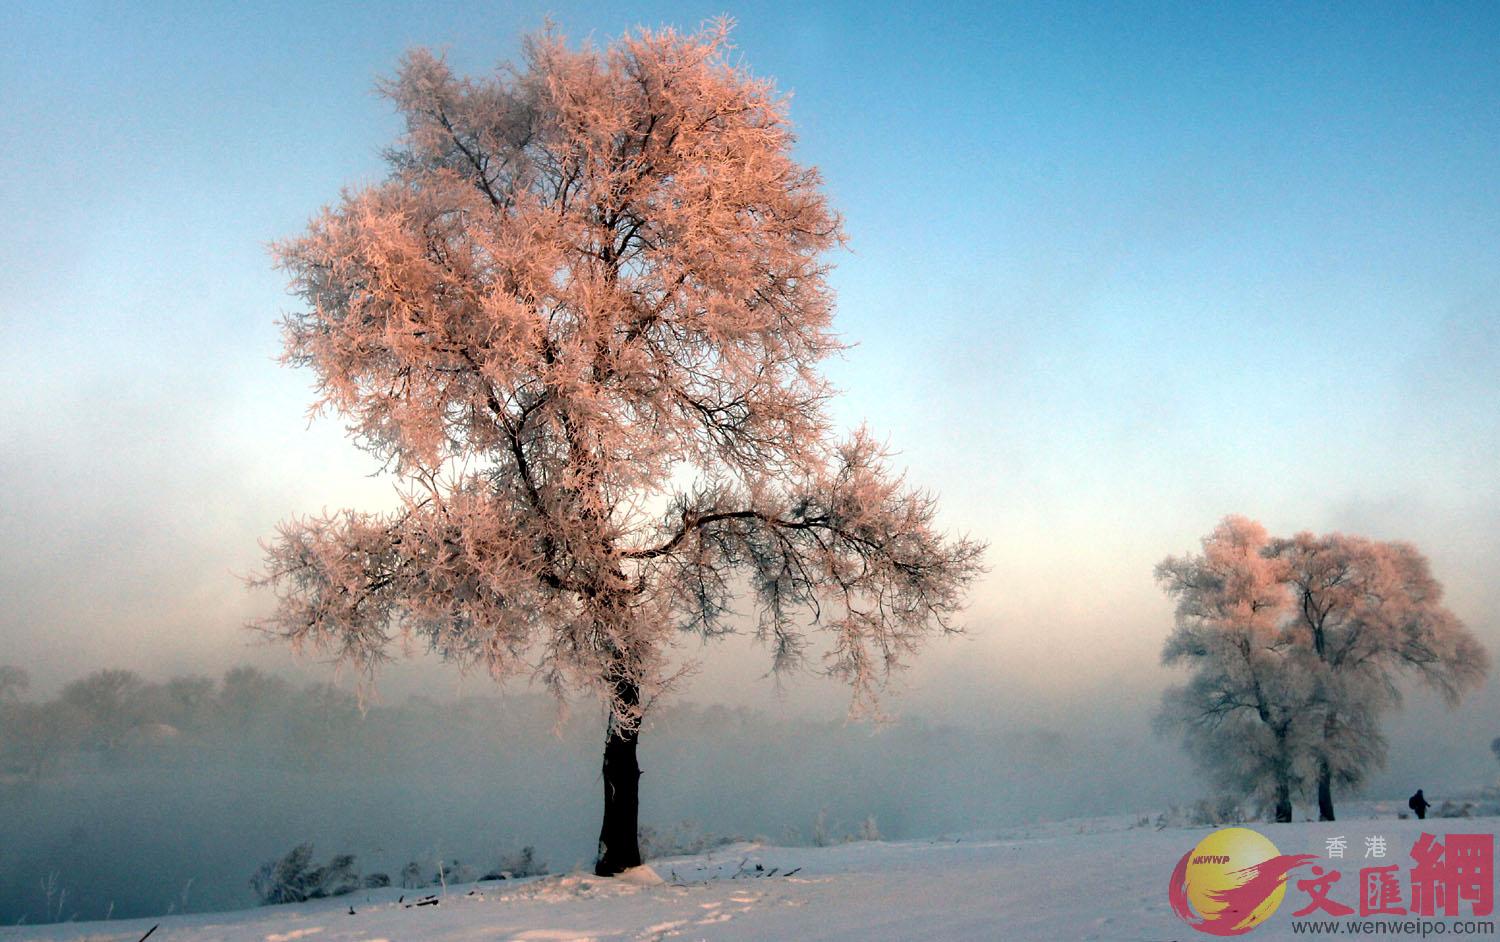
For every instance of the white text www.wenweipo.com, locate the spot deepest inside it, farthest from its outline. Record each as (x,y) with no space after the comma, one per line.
(1417,928)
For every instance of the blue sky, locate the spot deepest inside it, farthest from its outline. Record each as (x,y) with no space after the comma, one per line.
(1114,271)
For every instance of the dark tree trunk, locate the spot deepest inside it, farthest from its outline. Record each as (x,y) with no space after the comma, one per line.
(619,838)
(1325,774)
(1325,791)
(1283,802)
(1283,770)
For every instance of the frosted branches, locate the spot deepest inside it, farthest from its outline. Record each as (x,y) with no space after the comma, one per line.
(848,547)
(584,280)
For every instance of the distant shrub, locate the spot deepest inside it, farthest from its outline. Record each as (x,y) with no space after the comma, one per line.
(411,876)
(820,837)
(454,871)
(826,832)
(295,879)
(1217,811)
(375,881)
(677,841)
(523,863)
(1454,809)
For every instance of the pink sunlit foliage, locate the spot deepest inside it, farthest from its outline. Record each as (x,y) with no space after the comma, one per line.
(1244,711)
(1369,611)
(1297,647)
(581,322)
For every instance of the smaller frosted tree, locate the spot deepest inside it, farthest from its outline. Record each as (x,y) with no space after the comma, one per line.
(1244,712)
(1297,647)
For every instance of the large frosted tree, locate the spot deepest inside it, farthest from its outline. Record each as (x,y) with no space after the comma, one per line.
(1296,648)
(1365,612)
(580,322)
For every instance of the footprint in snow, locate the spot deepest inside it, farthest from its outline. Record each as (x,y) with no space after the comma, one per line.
(663,929)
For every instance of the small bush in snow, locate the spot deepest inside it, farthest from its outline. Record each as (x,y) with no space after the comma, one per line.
(678,841)
(1217,811)
(820,829)
(1206,812)
(411,876)
(520,864)
(454,871)
(294,878)
(376,881)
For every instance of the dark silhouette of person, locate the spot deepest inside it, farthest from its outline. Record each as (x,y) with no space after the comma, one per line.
(1418,804)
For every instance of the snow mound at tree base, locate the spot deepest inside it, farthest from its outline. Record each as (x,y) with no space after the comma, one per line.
(640,876)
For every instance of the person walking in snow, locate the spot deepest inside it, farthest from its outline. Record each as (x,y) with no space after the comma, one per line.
(1418,804)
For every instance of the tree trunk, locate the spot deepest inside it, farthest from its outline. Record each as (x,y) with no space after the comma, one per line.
(1325,774)
(619,837)
(1282,769)
(1325,791)
(1283,802)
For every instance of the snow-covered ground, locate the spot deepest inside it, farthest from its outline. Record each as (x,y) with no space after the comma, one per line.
(1100,878)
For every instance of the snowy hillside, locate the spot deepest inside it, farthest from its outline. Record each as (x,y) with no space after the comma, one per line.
(1103,878)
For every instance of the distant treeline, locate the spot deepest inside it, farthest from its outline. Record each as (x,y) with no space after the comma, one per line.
(110,717)
(128,796)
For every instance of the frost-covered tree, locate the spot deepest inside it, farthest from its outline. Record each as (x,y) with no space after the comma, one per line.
(1368,612)
(34,736)
(580,322)
(246,693)
(1244,711)
(296,879)
(188,702)
(112,701)
(1296,648)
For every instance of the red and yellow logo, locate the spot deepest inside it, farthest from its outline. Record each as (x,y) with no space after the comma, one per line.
(1231,882)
